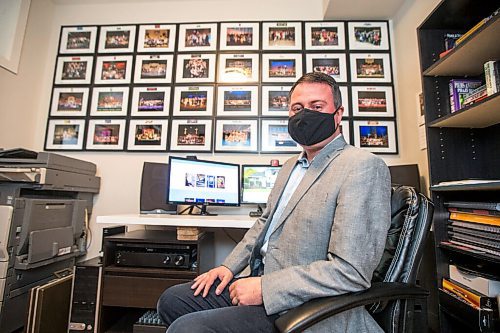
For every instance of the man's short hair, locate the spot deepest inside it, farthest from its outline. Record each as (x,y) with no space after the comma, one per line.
(318,77)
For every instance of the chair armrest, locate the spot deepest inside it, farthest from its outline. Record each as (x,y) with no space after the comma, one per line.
(314,311)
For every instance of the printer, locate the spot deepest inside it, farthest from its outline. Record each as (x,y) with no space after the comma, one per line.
(45,203)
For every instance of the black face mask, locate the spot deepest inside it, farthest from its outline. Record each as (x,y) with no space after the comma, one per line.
(308,127)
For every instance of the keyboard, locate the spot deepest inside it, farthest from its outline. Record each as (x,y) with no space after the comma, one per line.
(149,322)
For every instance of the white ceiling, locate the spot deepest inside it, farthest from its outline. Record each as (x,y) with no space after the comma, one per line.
(362,9)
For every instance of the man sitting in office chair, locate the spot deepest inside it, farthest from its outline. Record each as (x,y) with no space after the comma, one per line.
(322,234)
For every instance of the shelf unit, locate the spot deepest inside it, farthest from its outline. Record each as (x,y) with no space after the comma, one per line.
(462,145)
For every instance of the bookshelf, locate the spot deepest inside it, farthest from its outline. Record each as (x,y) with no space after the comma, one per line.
(462,146)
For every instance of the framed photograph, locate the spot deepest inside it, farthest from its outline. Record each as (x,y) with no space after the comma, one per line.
(191,135)
(197,37)
(371,101)
(375,136)
(282,36)
(333,64)
(109,101)
(147,134)
(193,101)
(238,101)
(150,102)
(113,70)
(74,70)
(239,36)
(195,68)
(156,38)
(344,92)
(325,36)
(275,137)
(344,129)
(65,134)
(78,40)
(117,39)
(240,67)
(421,109)
(275,100)
(106,134)
(368,36)
(236,135)
(374,67)
(69,102)
(153,68)
(281,67)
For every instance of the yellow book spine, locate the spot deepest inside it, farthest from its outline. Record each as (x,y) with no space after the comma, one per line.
(471,31)
(462,292)
(491,220)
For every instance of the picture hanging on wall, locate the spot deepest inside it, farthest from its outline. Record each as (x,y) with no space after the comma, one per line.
(153,68)
(275,100)
(281,67)
(375,136)
(325,36)
(109,101)
(368,36)
(197,37)
(344,129)
(65,134)
(106,134)
(333,64)
(148,134)
(238,68)
(69,102)
(344,92)
(372,101)
(113,70)
(150,102)
(193,101)
(374,67)
(191,135)
(236,135)
(282,36)
(275,137)
(74,70)
(156,38)
(193,68)
(239,36)
(117,39)
(238,101)
(78,40)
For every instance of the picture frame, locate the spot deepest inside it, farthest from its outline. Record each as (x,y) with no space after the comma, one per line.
(117,39)
(281,67)
(147,135)
(197,37)
(239,36)
(421,109)
(113,70)
(324,36)
(333,64)
(281,35)
(106,134)
(375,136)
(368,36)
(109,101)
(69,102)
(237,101)
(344,92)
(191,135)
(195,68)
(150,101)
(155,68)
(275,137)
(80,39)
(238,67)
(275,100)
(345,130)
(65,134)
(155,38)
(74,70)
(236,135)
(372,101)
(193,101)
(370,67)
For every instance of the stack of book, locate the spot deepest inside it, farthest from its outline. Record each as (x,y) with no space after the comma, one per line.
(492,77)
(459,90)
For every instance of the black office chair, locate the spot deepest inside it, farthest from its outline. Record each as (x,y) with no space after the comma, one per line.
(392,296)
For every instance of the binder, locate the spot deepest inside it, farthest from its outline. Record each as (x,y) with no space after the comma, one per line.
(493,206)
(490,220)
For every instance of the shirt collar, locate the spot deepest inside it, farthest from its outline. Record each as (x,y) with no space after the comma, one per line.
(302,159)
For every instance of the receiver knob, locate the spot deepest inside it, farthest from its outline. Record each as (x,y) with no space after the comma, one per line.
(179,260)
(167,260)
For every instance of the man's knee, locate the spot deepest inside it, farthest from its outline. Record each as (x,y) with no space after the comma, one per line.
(169,302)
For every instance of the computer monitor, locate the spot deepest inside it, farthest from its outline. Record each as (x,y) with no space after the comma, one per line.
(257,182)
(202,183)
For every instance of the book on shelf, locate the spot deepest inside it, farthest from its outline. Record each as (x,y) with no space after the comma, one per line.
(468,217)
(475,248)
(492,77)
(473,297)
(475,95)
(474,281)
(491,208)
(459,89)
(449,42)
(476,27)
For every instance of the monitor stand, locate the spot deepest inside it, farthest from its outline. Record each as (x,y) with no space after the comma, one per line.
(203,210)
(256,213)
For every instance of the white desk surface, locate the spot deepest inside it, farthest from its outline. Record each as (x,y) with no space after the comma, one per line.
(218,221)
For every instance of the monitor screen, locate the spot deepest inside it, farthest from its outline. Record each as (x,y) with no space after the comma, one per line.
(198,182)
(257,182)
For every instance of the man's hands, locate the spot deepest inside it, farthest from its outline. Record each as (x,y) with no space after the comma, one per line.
(204,281)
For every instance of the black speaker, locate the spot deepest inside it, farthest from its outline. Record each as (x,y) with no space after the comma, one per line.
(154,189)
(405,175)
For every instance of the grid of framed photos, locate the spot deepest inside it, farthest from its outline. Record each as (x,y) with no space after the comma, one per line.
(215,87)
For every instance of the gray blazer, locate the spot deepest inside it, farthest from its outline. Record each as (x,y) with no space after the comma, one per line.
(330,237)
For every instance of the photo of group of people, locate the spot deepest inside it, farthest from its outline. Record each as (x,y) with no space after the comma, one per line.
(70,101)
(113,70)
(278,100)
(149,135)
(151,101)
(369,68)
(74,70)
(327,66)
(241,67)
(156,38)
(374,136)
(154,69)
(198,37)
(282,68)
(78,40)
(237,100)
(324,36)
(117,39)
(239,36)
(66,134)
(106,134)
(191,135)
(372,101)
(236,135)
(109,101)
(282,36)
(196,68)
(193,101)
(279,136)
(367,35)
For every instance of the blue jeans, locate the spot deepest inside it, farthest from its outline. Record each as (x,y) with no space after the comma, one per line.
(185,313)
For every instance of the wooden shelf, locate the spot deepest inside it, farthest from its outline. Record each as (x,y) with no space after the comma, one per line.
(468,57)
(480,115)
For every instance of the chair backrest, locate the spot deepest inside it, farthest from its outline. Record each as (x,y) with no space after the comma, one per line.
(411,216)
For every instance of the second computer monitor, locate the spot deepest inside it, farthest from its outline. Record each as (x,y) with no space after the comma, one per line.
(257,182)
